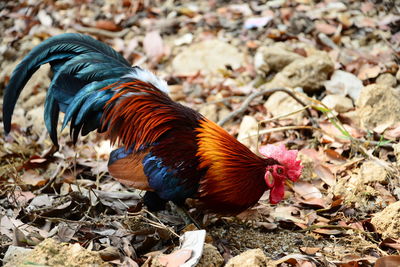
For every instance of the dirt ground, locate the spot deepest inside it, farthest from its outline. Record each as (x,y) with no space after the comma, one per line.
(341,60)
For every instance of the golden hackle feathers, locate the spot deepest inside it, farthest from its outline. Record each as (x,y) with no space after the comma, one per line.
(139,114)
(234,179)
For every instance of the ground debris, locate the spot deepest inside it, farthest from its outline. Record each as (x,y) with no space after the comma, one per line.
(252,257)
(387,222)
(51,253)
(339,57)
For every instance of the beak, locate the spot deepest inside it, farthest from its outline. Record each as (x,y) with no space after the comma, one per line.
(289,183)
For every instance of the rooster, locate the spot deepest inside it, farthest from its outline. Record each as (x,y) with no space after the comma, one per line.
(167,149)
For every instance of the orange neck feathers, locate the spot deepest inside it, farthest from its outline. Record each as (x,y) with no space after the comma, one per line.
(234,177)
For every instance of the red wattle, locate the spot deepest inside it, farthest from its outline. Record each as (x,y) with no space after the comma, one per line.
(277,192)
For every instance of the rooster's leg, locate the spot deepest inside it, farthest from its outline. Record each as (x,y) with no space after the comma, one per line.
(153,201)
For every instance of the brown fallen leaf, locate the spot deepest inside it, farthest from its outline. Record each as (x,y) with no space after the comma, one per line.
(384,193)
(314,202)
(388,261)
(333,154)
(325,231)
(368,71)
(390,242)
(325,174)
(287,214)
(31,177)
(392,132)
(309,250)
(325,28)
(107,25)
(21,198)
(36,162)
(295,260)
(367,6)
(306,190)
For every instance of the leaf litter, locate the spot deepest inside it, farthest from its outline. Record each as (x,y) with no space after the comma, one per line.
(342,213)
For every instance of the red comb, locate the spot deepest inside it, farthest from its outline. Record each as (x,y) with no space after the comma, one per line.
(285,157)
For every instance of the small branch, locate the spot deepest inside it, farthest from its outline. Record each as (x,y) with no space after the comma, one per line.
(285,115)
(56,220)
(246,103)
(284,128)
(96,31)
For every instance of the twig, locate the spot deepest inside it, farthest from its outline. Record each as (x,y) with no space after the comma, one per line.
(57,219)
(284,128)
(223,100)
(285,115)
(158,224)
(246,103)
(52,179)
(329,226)
(340,227)
(96,31)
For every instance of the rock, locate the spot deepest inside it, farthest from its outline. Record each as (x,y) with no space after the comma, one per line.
(338,103)
(210,257)
(248,127)
(206,57)
(210,112)
(378,107)
(386,79)
(51,253)
(14,253)
(344,83)
(387,222)
(274,57)
(398,75)
(308,73)
(249,258)
(280,103)
(371,172)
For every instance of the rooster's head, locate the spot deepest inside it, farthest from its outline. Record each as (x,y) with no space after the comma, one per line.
(285,168)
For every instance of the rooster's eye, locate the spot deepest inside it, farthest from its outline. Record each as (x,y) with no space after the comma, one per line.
(279,170)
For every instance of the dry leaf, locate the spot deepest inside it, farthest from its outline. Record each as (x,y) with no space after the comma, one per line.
(31,177)
(309,250)
(327,231)
(325,174)
(287,214)
(388,261)
(306,190)
(390,242)
(107,25)
(325,28)
(368,71)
